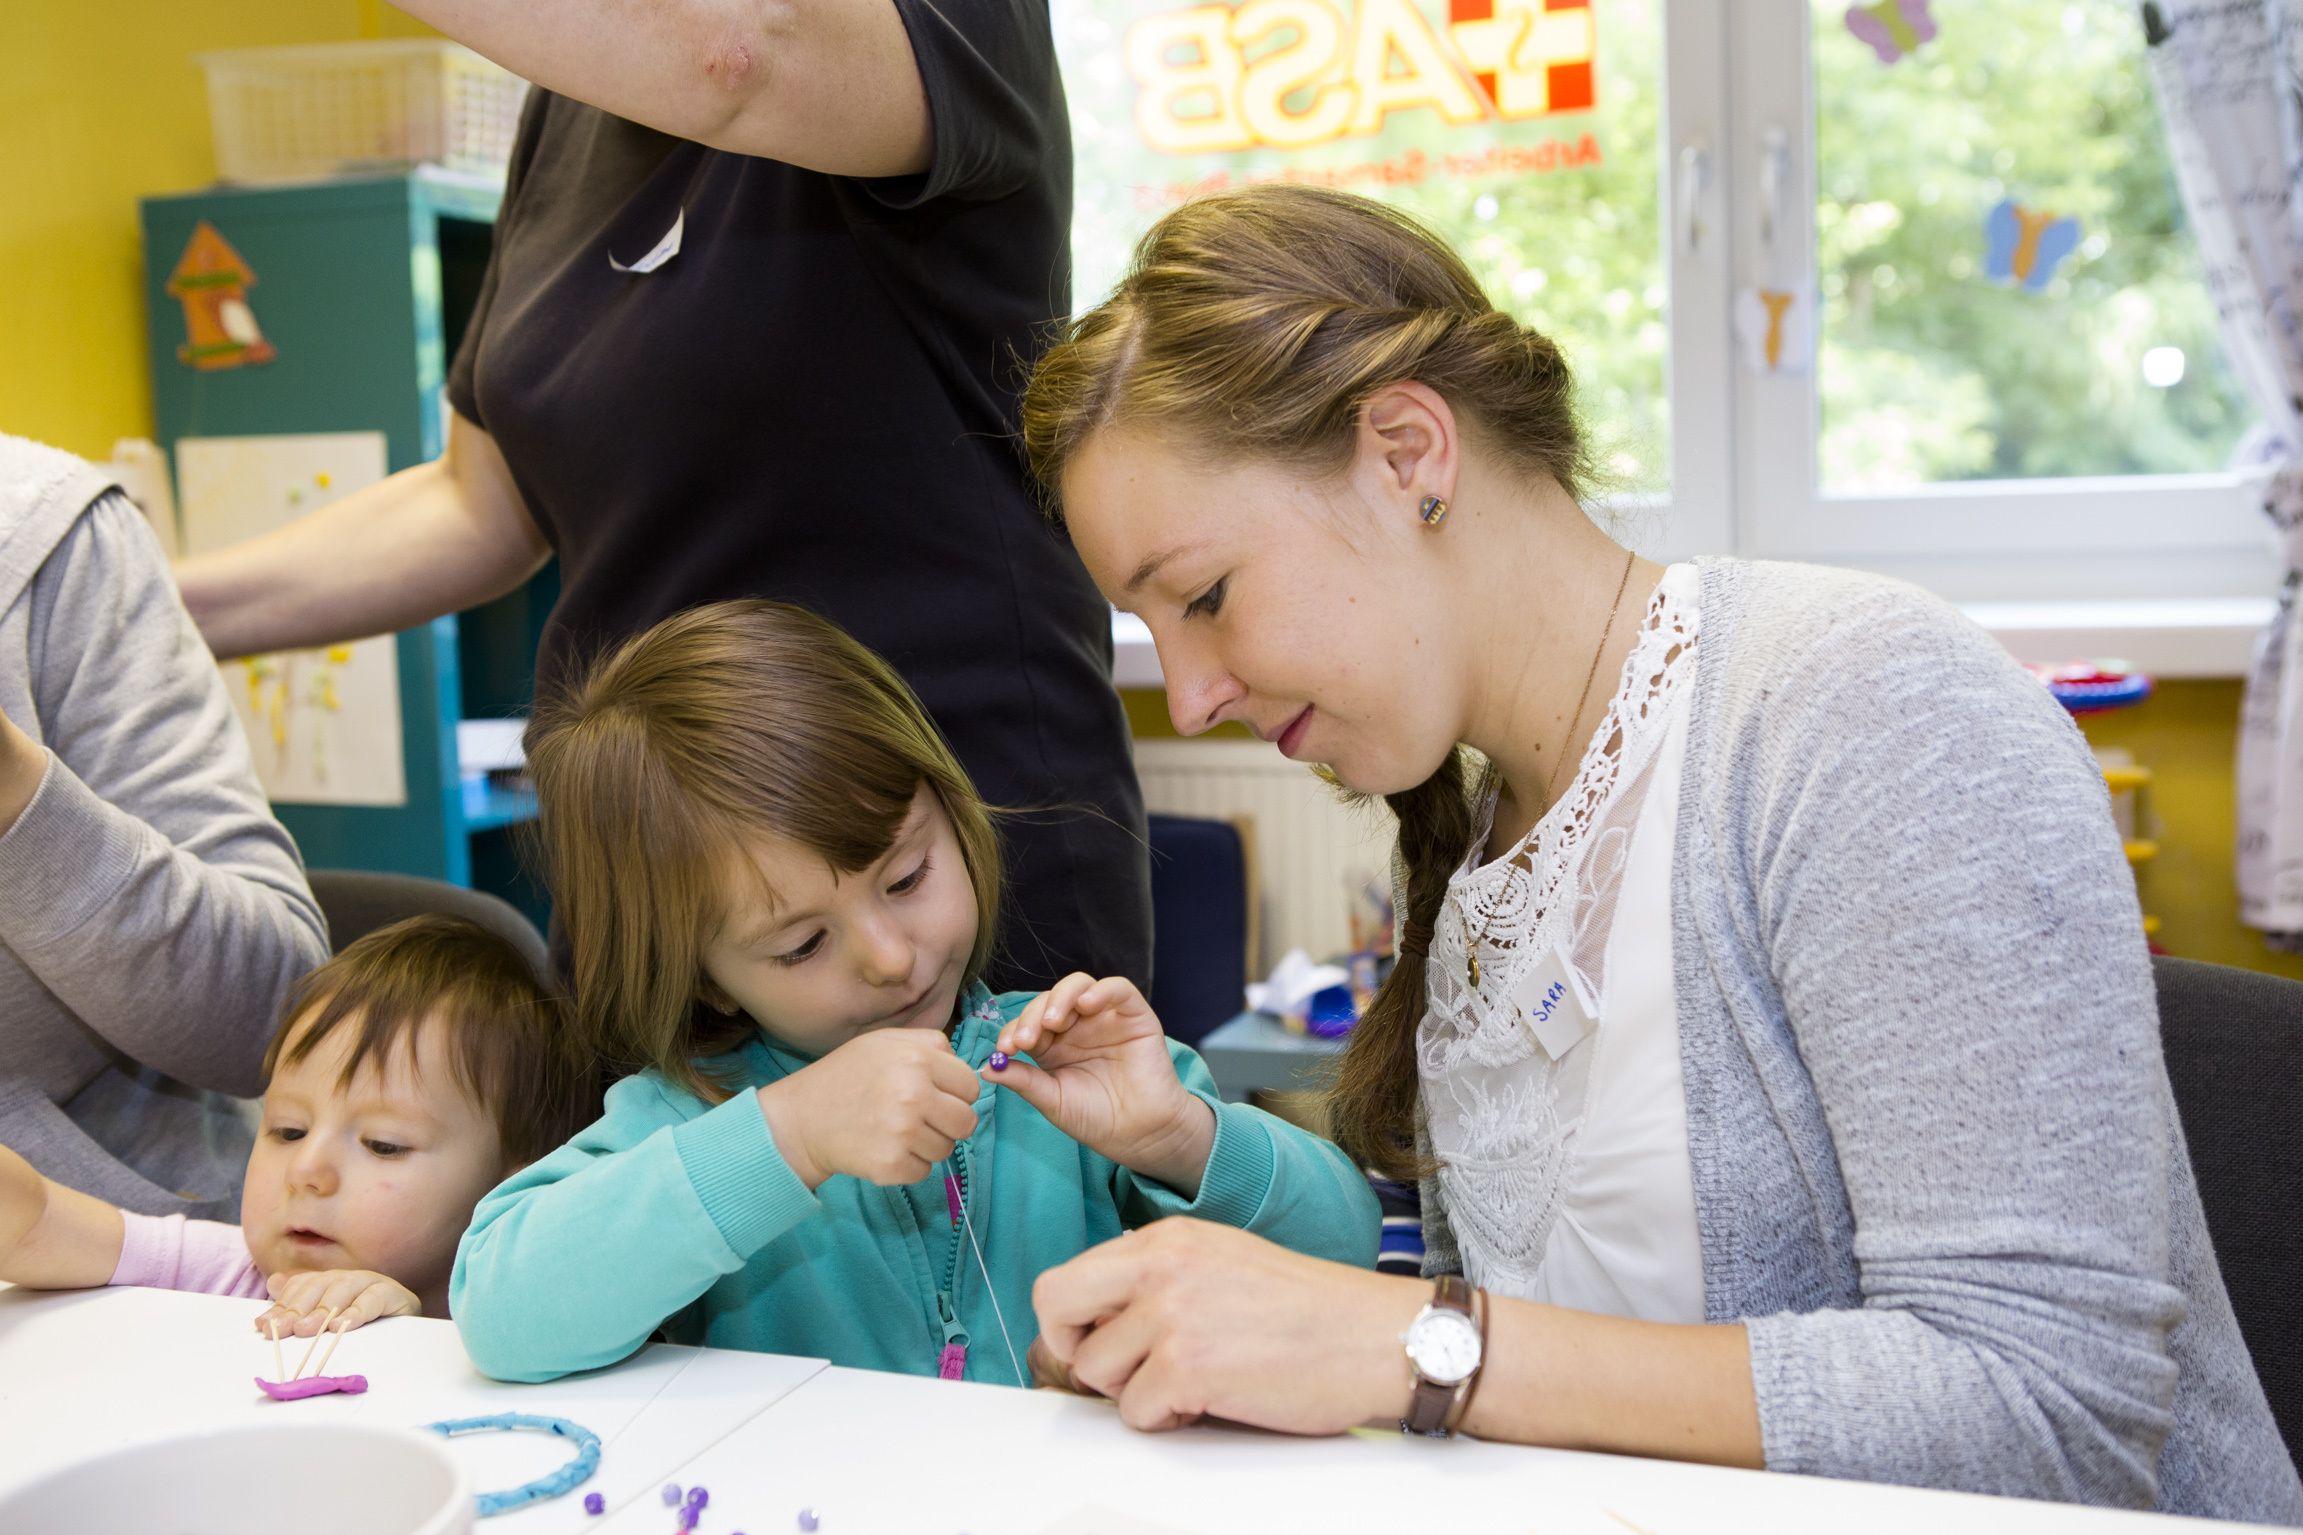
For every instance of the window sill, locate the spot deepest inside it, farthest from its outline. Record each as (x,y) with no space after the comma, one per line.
(2164,637)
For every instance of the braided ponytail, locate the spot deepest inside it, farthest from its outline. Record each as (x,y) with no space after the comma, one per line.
(1372,1102)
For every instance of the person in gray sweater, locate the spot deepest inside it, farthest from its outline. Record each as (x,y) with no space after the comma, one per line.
(1816,1121)
(153,914)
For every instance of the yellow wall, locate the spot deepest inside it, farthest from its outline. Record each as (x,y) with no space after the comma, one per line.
(2185,734)
(101,104)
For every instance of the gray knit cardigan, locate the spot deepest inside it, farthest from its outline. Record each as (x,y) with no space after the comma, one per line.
(153,914)
(1938,1170)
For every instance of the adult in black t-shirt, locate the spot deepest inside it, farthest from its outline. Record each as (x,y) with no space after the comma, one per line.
(770,347)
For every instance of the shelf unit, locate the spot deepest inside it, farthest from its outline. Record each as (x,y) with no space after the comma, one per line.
(362,287)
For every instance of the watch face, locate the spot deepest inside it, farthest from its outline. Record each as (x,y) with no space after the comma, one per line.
(1444,1346)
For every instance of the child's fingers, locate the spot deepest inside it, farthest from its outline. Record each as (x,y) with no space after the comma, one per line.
(299,1301)
(952,1078)
(1027,1082)
(382,1299)
(1050,1013)
(334,1290)
(953,1119)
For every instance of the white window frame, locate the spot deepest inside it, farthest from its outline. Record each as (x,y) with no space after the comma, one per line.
(2142,537)
(2174,572)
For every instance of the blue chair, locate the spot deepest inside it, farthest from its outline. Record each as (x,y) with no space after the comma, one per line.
(1202,923)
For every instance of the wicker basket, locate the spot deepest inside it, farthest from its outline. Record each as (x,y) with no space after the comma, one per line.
(291,114)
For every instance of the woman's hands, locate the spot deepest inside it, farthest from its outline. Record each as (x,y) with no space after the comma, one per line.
(884,1107)
(334,1300)
(1103,1076)
(1186,1319)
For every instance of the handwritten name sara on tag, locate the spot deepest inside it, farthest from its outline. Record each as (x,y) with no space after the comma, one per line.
(1552,1005)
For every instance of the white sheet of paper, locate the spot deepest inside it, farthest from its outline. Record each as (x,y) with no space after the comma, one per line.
(322,725)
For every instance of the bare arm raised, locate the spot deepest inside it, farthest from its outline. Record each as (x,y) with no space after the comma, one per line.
(827,85)
(433,539)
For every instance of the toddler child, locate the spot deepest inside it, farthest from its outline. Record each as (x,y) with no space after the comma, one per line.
(408,1076)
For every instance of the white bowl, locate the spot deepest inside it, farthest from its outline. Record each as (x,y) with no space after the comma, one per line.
(259,1479)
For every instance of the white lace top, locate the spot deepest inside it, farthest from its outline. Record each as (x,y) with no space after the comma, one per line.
(1567,1176)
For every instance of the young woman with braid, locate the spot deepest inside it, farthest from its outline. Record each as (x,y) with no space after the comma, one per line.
(1773,1028)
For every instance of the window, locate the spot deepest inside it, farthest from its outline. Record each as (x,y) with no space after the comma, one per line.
(1539,161)
(1641,178)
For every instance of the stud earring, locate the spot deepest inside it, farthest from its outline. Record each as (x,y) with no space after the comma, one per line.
(1432,510)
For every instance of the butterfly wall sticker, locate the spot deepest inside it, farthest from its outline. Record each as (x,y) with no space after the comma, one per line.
(2024,246)
(1893,28)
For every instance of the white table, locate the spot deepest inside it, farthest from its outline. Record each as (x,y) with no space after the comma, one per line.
(894,1455)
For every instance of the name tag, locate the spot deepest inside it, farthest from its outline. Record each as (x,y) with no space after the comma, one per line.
(1551,1003)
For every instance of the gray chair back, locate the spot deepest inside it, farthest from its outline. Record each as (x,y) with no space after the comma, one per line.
(356,902)
(2234,1046)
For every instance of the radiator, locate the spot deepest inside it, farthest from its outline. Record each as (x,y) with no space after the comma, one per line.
(1307,851)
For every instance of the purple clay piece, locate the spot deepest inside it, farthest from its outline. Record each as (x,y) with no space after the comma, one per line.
(671,1494)
(594,1503)
(999,1060)
(807,1519)
(312,1385)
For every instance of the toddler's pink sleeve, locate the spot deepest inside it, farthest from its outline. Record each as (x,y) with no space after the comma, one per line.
(169,1252)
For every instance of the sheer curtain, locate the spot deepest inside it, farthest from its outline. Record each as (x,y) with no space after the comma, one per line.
(2230,89)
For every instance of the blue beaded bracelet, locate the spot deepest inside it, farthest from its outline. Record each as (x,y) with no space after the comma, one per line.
(567,1479)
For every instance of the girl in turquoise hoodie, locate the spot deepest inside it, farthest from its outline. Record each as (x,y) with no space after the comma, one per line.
(779,888)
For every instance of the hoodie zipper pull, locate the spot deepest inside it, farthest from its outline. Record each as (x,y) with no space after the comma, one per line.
(952,1363)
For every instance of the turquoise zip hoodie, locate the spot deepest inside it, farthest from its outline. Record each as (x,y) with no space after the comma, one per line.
(670,1212)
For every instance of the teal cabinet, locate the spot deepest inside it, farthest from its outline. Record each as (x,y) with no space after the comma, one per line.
(360,289)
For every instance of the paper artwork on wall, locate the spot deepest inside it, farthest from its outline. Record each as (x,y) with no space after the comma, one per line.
(323,725)
(211,281)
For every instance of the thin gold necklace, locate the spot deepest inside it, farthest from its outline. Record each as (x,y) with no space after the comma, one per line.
(1471,949)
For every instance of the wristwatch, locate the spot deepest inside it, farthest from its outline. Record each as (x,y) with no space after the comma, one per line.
(1445,1344)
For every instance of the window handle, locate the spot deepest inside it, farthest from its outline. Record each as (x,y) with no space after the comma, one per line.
(1694,181)
(1774,171)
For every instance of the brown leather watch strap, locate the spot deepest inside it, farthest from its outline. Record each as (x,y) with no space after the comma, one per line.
(1432,1405)
(1461,1404)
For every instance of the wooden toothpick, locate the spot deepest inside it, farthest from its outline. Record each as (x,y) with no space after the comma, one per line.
(327,1314)
(328,1353)
(279,1364)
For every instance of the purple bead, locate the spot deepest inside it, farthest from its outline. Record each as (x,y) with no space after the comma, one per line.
(807,1519)
(594,1503)
(999,1060)
(698,1497)
(671,1494)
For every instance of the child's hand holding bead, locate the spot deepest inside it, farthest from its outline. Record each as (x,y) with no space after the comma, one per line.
(884,1107)
(1100,1071)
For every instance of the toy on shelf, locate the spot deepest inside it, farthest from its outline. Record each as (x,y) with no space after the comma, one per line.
(2090,687)
(2097,687)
